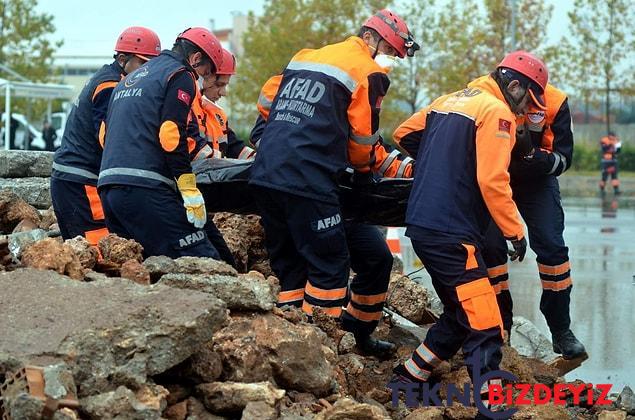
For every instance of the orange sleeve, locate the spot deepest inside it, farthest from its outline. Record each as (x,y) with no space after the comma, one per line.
(267,94)
(408,134)
(363,117)
(495,138)
(391,165)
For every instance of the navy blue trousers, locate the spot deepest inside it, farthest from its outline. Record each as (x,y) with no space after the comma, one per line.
(311,250)
(78,210)
(539,205)
(156,218)
(471,318)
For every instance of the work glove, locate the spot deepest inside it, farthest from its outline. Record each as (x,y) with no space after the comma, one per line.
(524,146)
(192,200)
(520,248)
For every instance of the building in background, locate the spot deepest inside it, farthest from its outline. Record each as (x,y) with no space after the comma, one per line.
(231,38)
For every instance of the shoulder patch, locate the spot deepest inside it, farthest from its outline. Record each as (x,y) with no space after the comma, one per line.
(504,125)
(183,97)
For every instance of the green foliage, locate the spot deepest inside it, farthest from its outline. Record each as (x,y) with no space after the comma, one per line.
(587,158)
(24,46)
(286,27)
(596,61)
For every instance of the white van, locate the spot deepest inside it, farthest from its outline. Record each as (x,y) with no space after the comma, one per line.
(25,128)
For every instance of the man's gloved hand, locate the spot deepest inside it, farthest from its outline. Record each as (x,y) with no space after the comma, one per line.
(520,248)
(192,200)
(524,146)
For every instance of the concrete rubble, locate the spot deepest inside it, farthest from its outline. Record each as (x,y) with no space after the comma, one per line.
(194,338)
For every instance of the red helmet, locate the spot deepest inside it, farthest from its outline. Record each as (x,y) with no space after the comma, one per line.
(140,41)
(229,64)
(206,41)
(531,67)
(394,31)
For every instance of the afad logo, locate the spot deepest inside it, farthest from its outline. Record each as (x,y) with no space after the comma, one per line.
(136,75)
(423,395)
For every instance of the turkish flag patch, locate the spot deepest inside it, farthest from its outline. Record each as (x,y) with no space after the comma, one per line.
(183,96)
(504,125)
(379,100)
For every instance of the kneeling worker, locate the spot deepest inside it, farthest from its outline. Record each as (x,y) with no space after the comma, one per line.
(146,182)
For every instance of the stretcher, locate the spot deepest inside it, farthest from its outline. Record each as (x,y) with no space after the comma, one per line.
(224,185)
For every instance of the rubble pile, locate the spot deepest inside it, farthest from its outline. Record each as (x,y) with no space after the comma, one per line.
(28,175)
(99,333)
(245,238)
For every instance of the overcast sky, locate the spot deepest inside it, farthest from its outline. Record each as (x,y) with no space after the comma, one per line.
(89,27)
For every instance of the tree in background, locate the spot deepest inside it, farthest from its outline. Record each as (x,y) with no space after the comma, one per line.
(285,27)
(23,45)
(460,40)
(597,59)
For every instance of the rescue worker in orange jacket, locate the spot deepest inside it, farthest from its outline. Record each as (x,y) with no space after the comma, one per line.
(323,116)
(462,143)
(610,146)
(212,119)
(212,137)
(544,151)
(146,177)
(76,163)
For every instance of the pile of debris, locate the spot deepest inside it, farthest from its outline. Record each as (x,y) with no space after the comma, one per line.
(99,335)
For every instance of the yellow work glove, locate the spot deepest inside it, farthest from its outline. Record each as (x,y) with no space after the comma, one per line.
(192,200)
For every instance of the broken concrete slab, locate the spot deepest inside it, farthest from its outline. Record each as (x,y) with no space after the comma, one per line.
(626,401)
(22,164)
(529,341)
(121,403)
(35,191)
(269,348)
(245,293)
(161,265)
(232,397)
(115,332)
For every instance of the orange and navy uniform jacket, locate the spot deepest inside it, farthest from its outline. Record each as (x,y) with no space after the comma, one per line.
(213,127)
(462,143)
(609,149)
(322,115)
(551,133)
(79,157)
(145,135)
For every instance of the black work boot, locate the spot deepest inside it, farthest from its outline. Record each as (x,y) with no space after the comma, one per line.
(565,343)
(370,346)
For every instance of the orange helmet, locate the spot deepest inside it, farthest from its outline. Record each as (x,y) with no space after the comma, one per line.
(229,64)
(206,41)
(394,31)
(531,67)
(140,41)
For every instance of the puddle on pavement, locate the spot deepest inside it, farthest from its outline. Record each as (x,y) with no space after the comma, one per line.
(600,234)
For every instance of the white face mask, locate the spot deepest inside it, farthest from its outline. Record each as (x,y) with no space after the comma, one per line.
(201,82)
(386,61)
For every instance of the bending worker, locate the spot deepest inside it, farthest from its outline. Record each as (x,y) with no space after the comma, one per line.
(323,115)
(146,178)
(76,163)
(463,143)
